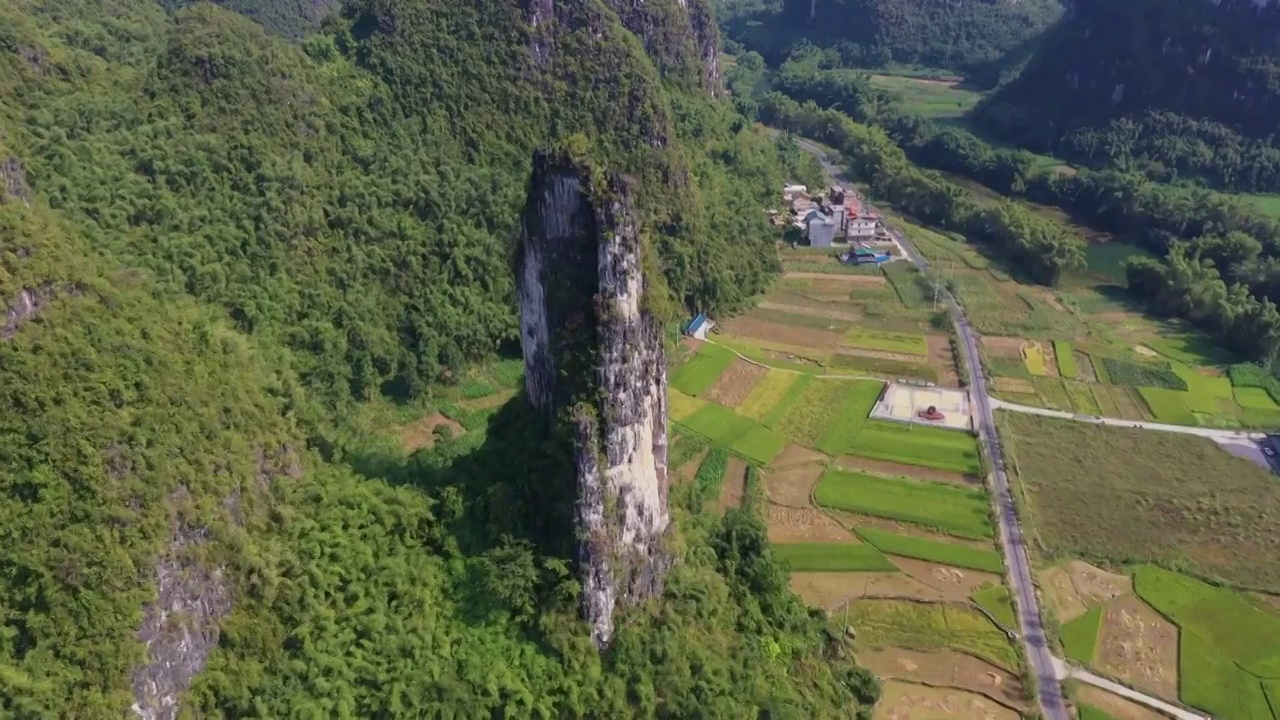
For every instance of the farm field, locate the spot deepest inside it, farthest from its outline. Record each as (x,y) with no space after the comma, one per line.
(929,97)
(947,508)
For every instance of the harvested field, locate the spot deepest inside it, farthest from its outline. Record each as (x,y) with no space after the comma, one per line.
(1075,586)
(941,357)
(947,668)
(830,590)
(848,315)
(788,335)
(1114,705)
(797,456)
(1016,386)
(422,433)
(905,701)
(736,383)
(803,525)
(734,485)
(886,467)
(1139,646)
(953,583)
(846,279)
(1124,494)
(930,626)
(1005,347)
(792,486)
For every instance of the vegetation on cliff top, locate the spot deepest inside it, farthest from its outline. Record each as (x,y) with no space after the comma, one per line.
(226,243)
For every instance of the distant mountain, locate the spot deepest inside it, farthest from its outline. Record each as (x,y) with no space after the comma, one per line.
(1187,86)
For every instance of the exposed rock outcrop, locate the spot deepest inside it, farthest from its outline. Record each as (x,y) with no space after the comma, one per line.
(680,36)
(28,303)
(13,181)
(594,360)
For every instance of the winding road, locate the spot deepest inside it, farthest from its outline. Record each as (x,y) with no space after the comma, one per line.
(1048,670)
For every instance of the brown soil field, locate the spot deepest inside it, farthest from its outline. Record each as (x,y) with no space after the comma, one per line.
(421,434)
(1116,706)
(691,343)
(905,701)
(1085,364)
(790,480)
(1139,646)
(687,471)
(947,669)
(801,525)
(734,485)
(854,520)
(1076,586)
(830,590)
(844,278)
(885,467)
(789,335)
(809,309)
(1269,602)
(736,383)
(941,358)
(954,583)
(1006,347)
(1013,385)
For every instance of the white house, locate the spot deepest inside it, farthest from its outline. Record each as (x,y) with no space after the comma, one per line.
(862,227)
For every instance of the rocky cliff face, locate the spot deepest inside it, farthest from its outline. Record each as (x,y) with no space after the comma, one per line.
(594,362)
(679,35)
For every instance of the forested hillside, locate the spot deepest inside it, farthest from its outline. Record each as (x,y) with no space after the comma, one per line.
(960,36)
(1170,87)
(217,246)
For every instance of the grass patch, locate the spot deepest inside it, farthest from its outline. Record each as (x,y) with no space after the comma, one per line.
(1008,367)
(767,393)
(930,626)
(1169,406)
(894,342)
(1255,398)
(1125,495)
(1033,356)
(760,444)
(995,600)
(810,415)
(1244,375)
(1135,374)
(1080,636)
(1053,394)
(711,475)
(1067,367)
(1210,681)
(702,371)
(833,557)
(1082,399)
(929,98)
(859,397)
(681,406)
(1190,348)
(930,550)
(915,445)
(686,449)
(912,287)
(794,392)
(1207,393)
(948,508)
(1089,712)
(882,366)
(1106,259)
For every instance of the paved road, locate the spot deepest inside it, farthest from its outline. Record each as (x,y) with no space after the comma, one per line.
(1034,637)
(1211,433)
(1084,676)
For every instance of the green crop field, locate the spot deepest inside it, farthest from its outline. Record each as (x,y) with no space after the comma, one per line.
(1135,374)
(812,412)
(833,557)
(1033,356)
(1106,259)
(894,342)
(882,366)
(948,508)
(1082,399)
(767,394)
(930,626)
(995,600)
(1210,681)
(710,474)
(1169,406)
(1080,636)
(791,319)
(1256,398)
(685,448)
(930,98)
(742,435)
(1190,348)
(930,550)
(912,288)
(681,406)
(1128,495)
(1067,366)
(773,416)
(916,445)
(859,397)
(702,371)
(1089,712)
(760,444)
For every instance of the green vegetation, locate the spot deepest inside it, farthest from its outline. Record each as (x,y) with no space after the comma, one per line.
(1066,358)
(760,444)
(833,557)
(930,626)
(916,445)
(684,449)
(1124,495)
(1082,398)
(1227,642)
(1080,636)
(250,262)
(894,342)
(699,374)
(1107,259)
(1033,356)
(859,398)
(883,367)
(1088,712)
(928,97)
(767,394)
(1145,375)
(1168,406)
(948,508)
(1249,375)
(710,475)
(995,599)
(744,436)
(909,283)
(811,414)
(937,551)
(794,392)
(1255,397)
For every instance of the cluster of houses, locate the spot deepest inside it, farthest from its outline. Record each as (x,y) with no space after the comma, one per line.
(836,216)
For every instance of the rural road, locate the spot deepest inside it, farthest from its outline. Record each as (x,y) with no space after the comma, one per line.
(1084,676)
(1035,639)
(1211,433)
